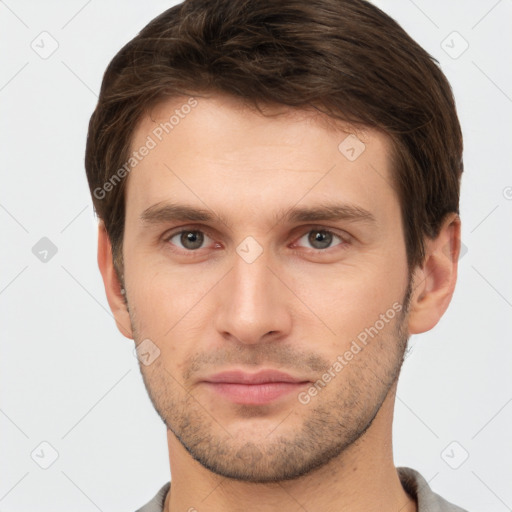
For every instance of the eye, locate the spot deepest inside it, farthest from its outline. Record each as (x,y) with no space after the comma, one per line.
(190,239)
(321,239)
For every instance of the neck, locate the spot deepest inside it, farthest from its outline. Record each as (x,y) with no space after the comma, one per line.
(362,478)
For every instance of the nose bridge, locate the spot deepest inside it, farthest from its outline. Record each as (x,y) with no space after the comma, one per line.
(251,281)
(252,306)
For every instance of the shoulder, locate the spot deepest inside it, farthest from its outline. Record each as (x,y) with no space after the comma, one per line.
(417,487)
(156,504)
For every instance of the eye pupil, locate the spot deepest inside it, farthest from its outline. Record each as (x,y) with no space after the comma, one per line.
(323,238)
(192,239)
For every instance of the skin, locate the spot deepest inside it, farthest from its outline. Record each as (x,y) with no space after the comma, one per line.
(295,308)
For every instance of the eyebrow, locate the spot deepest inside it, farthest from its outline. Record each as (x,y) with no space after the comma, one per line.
(164,212)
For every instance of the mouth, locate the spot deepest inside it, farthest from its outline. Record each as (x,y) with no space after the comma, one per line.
(258,388)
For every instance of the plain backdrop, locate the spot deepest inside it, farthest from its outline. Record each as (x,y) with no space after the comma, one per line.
(71,394)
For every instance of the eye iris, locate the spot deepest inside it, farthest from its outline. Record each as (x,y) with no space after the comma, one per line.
(192,239)
(323,238)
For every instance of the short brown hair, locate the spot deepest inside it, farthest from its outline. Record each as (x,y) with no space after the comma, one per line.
(345,58)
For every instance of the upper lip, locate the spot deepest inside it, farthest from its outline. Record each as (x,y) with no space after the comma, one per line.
(260,377)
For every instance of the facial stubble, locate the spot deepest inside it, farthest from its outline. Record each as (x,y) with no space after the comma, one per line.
(322,430)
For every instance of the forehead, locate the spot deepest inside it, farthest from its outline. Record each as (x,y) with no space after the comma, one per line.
(223,153)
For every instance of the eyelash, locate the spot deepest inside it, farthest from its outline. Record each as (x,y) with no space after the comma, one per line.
(344,239)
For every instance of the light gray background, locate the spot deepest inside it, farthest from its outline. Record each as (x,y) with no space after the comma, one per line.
(68,378)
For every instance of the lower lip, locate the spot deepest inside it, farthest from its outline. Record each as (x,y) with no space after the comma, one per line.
(254,394)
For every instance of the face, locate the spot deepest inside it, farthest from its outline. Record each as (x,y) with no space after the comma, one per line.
(266,276)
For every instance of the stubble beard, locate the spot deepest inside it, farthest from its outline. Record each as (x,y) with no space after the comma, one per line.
(331,423)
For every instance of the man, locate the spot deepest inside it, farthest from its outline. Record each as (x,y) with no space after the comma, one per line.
(277,185)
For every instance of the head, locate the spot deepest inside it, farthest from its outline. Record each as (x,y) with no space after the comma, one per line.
(277,186)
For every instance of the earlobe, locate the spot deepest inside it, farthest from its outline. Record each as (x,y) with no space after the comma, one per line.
(434,283)
(115,297)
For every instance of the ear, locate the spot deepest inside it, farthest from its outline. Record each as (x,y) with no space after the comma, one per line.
(434,282)
(112,285)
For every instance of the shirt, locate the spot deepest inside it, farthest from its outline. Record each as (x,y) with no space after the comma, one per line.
(412,482)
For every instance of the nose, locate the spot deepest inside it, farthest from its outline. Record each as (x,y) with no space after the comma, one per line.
(254,304)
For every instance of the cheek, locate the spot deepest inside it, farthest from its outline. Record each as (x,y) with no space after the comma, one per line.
(348,300)
(171,307)
(164,291)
